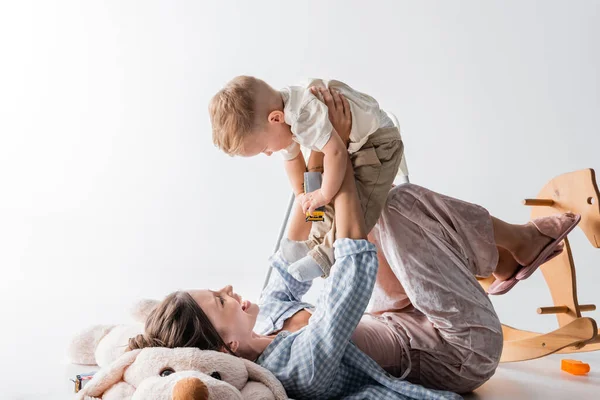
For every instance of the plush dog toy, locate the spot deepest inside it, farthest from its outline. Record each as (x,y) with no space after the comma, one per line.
(182,374)
(102,344)
(164,374)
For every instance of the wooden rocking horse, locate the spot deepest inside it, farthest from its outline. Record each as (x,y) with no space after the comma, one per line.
(576,192)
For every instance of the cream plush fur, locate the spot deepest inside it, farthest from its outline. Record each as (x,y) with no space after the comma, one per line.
(139,374)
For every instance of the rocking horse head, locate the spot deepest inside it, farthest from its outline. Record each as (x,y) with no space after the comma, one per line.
(576,192)
(591,216)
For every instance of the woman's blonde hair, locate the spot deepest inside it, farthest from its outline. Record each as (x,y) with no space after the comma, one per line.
(178,321)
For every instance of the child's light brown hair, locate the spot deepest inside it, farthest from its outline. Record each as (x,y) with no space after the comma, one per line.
(239,109)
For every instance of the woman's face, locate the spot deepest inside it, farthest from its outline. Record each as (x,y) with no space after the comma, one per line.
(233,317)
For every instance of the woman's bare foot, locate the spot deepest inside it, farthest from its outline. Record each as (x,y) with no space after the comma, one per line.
(537,234)
(531,244)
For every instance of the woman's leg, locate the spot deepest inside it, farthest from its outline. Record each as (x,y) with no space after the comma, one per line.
(436,245)
(388,294)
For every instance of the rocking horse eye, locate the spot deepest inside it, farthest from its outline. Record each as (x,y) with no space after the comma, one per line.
(216,375)
(166,372)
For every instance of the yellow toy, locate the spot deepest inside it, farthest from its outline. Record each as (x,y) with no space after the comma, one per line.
(312,182)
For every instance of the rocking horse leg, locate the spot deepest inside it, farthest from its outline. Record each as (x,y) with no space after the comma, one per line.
(592,345)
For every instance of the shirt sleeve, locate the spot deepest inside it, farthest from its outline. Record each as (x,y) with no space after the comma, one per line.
(312,127)
(281,298)
(290,152)
(283,286)
(341,306)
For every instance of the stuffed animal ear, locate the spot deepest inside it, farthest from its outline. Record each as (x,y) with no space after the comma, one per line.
(264,376)
(82,348)
(142,309)
(109,376)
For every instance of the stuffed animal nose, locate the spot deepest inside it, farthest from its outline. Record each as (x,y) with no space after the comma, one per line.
(190,389)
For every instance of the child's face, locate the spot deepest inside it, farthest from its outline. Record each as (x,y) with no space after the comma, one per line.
(276,135)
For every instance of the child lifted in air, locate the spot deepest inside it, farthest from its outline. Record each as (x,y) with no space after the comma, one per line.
(249,117)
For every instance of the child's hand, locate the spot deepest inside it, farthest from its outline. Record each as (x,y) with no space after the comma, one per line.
(314,200)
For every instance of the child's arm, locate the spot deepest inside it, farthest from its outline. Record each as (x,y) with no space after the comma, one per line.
(315,162)
(298,229)
(295,169)
(334,164)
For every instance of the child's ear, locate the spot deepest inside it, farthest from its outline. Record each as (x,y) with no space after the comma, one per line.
(276,117)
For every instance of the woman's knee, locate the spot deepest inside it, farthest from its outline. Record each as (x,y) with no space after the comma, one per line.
(481,364)
(404,192)
(400,200)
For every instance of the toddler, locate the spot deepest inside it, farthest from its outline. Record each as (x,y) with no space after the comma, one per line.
(249,117)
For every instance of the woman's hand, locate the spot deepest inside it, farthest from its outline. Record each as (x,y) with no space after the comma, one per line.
(300,199)
(340,114)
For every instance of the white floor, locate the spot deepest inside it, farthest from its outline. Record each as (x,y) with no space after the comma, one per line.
(542,379)
(536,379)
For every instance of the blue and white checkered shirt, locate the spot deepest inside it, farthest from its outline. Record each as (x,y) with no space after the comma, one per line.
(319,361)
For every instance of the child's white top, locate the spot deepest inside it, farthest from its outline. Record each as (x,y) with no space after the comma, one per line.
(308,118)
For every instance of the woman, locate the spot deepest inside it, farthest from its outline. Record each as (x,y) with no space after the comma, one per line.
(436,327)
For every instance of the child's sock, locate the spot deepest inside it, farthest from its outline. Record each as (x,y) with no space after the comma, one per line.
(292,251)
(305,269)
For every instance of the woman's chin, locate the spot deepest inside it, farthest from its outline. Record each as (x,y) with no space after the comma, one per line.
(252,310)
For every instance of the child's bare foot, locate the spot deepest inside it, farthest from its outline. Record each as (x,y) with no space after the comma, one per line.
(537,234)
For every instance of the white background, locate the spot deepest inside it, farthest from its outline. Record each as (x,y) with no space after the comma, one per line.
(111,189)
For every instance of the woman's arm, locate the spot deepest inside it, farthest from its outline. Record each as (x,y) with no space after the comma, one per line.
(349,218)
(285,287)
(320,346)
(339,112)
(295,169)
(283,296)
(341,119)
(334,164)
(311,355)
